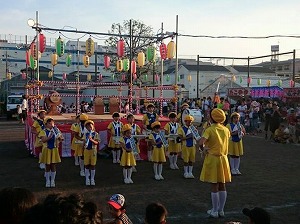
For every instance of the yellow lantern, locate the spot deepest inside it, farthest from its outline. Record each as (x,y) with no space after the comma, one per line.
(119,65)
(86,60)
(141,59)
(50,74)
(268,83)
(54,59)
(233,78)
(89,77)
(171,49)
(89,47)
(189,78)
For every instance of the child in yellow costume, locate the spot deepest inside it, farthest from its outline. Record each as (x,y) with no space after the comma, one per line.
(79,135)
(128,159)
(135,130)
(215,166)
(114,129)
(37,126)
(188,147)
(235,147)
(171,128)
(90,142)
(50,155)
(158,155)
(73,144)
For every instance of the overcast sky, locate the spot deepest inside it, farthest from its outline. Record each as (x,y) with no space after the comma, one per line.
(197,17)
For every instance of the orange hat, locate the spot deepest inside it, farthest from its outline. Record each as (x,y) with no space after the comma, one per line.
(83,117)
(218,115)
(48,119)
(189,118)
(155,123)
(185,104)
(235,114)
(126,127)
(89,122)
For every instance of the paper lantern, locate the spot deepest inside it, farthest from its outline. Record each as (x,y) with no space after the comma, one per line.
(178,78)
(258,81)
(156,77)
(163,51)
(31,62)
(279,82)
(249,80)
(119,65)
(145,77)
(241,79)
(100,77)
(123,77)
(292,83)
(151,53)
(28,53)
(8,75)
(126,64)
(134,76)
(68,60)
(189,78)
(106,61)
(121,48)
(113,77)
(89,47)
(133,67)
(233,78)
(24,75)
(50,74)
(89,77)
(171,49)
(86,60)
(268,83)
(54,59)
(42,43)
(33,51)
(141,59)
(64,76)
(60,47)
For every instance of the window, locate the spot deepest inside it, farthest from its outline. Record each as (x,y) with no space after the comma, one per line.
(279,68)
(181,76)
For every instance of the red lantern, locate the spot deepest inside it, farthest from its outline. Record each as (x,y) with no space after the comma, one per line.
(33,50)
(163,51)
(42,42)
(123,77)
(133,67)
(156,77)
(121,48)
(106,61)
(28,53)
(64,76)
(249,80)
(24,76)
(134,76)
(100,77)
(292,84)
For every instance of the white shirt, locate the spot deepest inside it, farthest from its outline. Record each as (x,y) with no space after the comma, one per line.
(242,109)
(24,105)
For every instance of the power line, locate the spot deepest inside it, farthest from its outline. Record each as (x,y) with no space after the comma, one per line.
(240,37)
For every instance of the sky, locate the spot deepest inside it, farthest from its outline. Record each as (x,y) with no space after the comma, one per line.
(195,17)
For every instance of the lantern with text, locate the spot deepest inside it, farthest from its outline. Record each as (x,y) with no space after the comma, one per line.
(126,64)
(133,67)
(121,48)
(100,77)
(113,77)
(31,62)
(60,47)
(106,61)
(249,80)
(86,60)
(54,59)
(119,65)
(280,83)
(168,78)
(268,83)
(68,60)
(28,53)
(89,77)
(33,51)
(24,75)
(233,78)
(89,47)
(258,81)
(151,53)
(189,78)
(134,76)
(123,77)
(163,51)
(156,77)
(64,76)
(50,74)
(8,75)
(141,59)
(145,77)
(241,79)
(292,83)
(42,43)
(171,49)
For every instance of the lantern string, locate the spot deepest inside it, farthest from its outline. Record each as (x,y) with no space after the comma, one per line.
(240,37)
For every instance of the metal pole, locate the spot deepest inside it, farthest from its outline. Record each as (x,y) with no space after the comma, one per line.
(131,78)
(96,71)
(37,58)
(26,69)
(248,81)
(77,81)
(176,67)
(198,72)
(161,77)
(294,66)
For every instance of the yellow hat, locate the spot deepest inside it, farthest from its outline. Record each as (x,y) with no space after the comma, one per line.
(185,104)
(189,118)
(83,117)
(150,105)
(218,115)
(47,119)
(40,111)
(89,122)
(173,114)
(155,123)
(235,114)
(126,127)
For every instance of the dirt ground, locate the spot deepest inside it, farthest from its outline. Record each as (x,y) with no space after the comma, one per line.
(271,179)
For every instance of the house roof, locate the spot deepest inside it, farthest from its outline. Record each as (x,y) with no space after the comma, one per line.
(259,69)
(213,68)
(41,68)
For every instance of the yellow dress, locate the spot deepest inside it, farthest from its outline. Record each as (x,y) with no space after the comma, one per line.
(235,148)
(149,118)
(50,152)
(215,166)
(188,146)
(90,149)
(158,155)
(115,130)
(127,158)
(79,143)
(39,126)
(172,128)
(73,128)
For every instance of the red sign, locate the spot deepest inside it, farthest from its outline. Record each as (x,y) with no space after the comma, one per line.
(239,92)
(291,92)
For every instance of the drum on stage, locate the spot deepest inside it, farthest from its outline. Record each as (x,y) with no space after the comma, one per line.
(195,113)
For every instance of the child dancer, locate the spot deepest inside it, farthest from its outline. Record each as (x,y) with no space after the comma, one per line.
(188,146)
(148,120)
(136,130)
(114,129)
(50,156)
(127,160)
(173,148)
(158,156)
(73,144)
(235,147)
(79,135)
(215,166)
(117,210)
(91,141)
(37,126)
